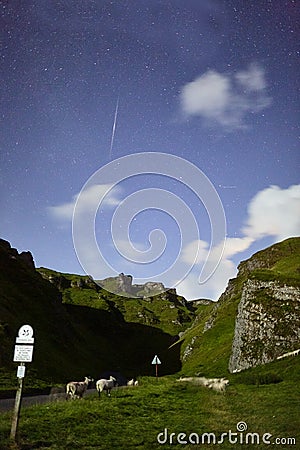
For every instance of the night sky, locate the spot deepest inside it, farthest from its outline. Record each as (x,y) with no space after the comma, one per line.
(84,83)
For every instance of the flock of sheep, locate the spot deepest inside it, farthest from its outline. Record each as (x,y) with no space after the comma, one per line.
(76,389)
(217,384)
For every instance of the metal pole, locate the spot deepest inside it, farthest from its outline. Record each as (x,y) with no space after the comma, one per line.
(156,365)
(16,412)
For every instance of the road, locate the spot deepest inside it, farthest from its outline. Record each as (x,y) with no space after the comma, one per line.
(7,404)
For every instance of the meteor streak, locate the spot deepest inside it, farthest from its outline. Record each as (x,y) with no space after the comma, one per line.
(114,129)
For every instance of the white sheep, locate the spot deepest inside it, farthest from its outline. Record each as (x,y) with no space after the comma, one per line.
(217,384)
(132,382)
(76,389)
(106,385)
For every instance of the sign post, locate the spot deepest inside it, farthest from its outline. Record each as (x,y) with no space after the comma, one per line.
(156,361)
(23,353)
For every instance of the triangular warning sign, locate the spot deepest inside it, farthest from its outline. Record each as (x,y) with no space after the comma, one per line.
(156,360)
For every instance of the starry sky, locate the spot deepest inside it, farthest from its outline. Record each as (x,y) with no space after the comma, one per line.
(93,87)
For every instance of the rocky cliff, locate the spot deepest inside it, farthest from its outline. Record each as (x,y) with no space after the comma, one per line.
(268,318)
(267,324)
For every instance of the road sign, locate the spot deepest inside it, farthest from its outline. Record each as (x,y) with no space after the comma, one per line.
(21,372)
(23,353)
(25,335)
(156,360)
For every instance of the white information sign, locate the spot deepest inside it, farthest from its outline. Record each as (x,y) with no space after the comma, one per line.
(21,372)
(23,353)
(25,335)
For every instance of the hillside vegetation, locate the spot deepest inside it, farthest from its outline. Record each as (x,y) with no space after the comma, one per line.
(265,399)
(80,328)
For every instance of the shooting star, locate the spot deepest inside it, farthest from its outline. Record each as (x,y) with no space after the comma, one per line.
(227,187)
(114,129)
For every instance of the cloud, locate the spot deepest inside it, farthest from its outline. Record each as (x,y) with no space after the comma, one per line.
(212,288)
(236,245)
(232,247)
(188,252)
(252,79)
(208,95)
(89,201)
(226,99)
(190,287)
(274,212)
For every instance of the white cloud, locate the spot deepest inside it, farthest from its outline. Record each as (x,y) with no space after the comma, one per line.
(212,288)
(190,287)
(208,95)
(274,212)
(236,245)
(252,79)
(89,201)
(188,252)
(226,99)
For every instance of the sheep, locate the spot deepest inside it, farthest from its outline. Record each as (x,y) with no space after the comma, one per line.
(132,382)
(105,385)
(76,389)
(217,384)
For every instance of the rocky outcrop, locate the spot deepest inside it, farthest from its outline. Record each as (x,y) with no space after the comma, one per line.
(153,288)
(267,324)
(24,257)
(124,283)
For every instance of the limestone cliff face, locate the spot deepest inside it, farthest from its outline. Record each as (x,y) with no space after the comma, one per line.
(267,323)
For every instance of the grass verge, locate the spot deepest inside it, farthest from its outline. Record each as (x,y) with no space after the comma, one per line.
(133,417)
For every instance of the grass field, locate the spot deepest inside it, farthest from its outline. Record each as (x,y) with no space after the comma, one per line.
(134,417)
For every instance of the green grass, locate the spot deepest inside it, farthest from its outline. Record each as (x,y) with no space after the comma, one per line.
(211,350)
(133,417)
(281,263)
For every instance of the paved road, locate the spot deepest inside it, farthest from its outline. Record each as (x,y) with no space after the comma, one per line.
(7,404)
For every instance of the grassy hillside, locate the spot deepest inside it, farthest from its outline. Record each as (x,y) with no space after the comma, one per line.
(134,417)
(166,311)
